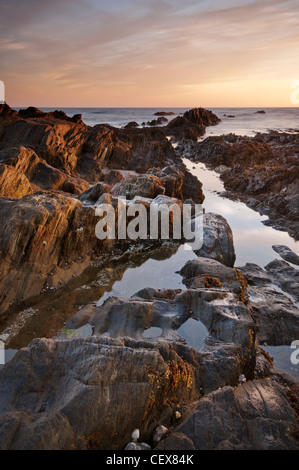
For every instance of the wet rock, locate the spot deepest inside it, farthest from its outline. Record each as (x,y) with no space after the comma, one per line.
(192,124)
(142,185)
(69,145)
(176,441)
(13,183)
(39,233)
(83,407)
(164,113)
(131,125)
(275,314)
(180,129)
(179,183)
(264,168)
(144,446)
(286,276)
(209,273)
(256,415)
(218,241)
(229,332)
(287,254)
(202,117)
(133,446)
(24,173)
(157,122)
(6,110)
(129,149)
(93,194)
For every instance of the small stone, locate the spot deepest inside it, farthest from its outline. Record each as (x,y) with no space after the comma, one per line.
(132,446)
(135,435)
(145,446)
(178,415)
(161,431)
(242,379)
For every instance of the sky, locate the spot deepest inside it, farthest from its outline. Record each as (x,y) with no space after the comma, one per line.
(149,53)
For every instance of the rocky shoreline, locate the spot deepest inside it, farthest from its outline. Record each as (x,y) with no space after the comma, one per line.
(262,171)
(126,365)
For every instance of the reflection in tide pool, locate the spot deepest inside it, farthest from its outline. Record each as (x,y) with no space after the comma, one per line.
(282,358)
(8,355)
(195,332)
(252,239)
(153,332)
(159,274)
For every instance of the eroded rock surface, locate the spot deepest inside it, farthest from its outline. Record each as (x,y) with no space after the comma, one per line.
(246,418)
(63,394)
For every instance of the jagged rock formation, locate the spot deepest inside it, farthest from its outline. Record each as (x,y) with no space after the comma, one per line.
(263,171)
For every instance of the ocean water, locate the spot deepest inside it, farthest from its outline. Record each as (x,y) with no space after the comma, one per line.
(245,122)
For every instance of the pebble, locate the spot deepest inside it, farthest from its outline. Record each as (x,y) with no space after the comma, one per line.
(160,432)
(135,435)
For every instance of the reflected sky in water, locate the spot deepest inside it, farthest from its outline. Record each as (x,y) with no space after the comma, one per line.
(252,239)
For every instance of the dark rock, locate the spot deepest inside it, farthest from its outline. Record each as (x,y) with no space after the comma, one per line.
(164,113)
(83,407)
(176,441)
(285,276)
(69,145)
(218,241)
(93,194)
(24,173)
(40,233)
(209,273)
(201,117)
(6,111)
(182,129)
(192,124)
(157,122)
(142,185)
(264,168)
(179,183)
(276,315)
(287,254)
(31,112)
(131,125)
(257,415)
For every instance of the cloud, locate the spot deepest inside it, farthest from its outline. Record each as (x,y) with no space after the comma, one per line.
(165,47)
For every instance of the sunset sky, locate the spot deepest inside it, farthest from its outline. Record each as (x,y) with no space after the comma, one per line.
(155,53)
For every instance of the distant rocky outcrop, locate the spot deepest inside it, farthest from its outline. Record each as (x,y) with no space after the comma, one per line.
(192,124)
(131,125)
(164,113)
(156,122)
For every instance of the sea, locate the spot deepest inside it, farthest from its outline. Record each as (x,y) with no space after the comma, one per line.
(246,121)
